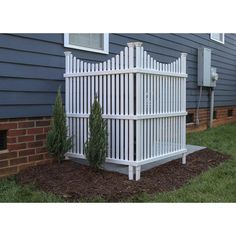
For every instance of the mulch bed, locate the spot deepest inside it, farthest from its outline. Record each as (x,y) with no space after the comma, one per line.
(74,181)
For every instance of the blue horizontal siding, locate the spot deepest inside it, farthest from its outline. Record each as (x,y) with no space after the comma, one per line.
(32,67)
(35,85)
(27,98)
(31,58)
(15,111)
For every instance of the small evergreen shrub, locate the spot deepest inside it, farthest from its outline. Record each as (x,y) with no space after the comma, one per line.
(96,145)
(57,141)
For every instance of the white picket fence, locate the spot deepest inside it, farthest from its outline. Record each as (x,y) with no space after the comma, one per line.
(143,101)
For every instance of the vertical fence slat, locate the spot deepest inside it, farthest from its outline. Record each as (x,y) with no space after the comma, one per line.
(96,81)
(74,107)
(70,98)
(85,103)
(93,85)
(145,85)
(145,139)
(100,86)
(109,108)
(81,87)
(70,85)
(126,106)
(155,109)
(117,97)
(113,110)
(104,97)
(122,106)
(78,109)
(89,89)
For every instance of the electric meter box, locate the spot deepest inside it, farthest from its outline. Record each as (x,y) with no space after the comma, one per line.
(204,68)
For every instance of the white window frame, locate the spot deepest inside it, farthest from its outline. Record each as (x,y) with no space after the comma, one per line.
(223,42)
(105,46)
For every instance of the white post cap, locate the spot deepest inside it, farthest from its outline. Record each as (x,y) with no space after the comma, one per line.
(138,44)
(130,44)
(134,44)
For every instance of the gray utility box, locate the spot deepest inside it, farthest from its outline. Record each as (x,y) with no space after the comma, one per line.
(204,68)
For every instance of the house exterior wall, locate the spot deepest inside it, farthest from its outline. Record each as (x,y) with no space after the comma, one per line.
(32,67)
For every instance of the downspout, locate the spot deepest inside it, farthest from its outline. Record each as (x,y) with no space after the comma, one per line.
(212,93)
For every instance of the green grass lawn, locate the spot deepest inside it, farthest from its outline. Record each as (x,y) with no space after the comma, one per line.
(10,191)
(216,185)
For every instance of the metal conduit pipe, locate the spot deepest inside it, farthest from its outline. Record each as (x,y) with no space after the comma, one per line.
(198,106)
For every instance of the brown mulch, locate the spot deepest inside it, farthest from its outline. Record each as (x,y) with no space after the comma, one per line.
(74,181)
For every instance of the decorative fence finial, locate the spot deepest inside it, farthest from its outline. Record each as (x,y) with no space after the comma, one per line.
(138,44)
(130,44)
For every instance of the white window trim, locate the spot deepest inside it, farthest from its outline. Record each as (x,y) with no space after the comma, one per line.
(222,42)
(105,46)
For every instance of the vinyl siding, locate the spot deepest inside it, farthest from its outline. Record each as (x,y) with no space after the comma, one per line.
(32,67)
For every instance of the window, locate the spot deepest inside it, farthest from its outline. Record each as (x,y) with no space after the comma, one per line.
(218,37)
(89,42)
(190,118)
(3,140)
(230,113)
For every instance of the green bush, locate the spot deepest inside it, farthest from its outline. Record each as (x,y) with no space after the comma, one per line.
(96,146)
(57,141)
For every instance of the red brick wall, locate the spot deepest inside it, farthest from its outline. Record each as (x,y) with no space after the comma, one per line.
(26,141)
(204,116)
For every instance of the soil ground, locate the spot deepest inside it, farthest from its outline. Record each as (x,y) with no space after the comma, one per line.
(76,182)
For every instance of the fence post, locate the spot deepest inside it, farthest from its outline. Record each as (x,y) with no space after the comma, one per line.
(67,70)
(138,108)
(183,70)
(67,66)
(131,109)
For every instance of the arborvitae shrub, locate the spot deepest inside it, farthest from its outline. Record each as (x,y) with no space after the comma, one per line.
(96,145)
(58,143)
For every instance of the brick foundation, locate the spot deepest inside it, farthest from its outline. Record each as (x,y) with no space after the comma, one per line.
(26,144)
(204,116)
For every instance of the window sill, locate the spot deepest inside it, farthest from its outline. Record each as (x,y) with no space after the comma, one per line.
(87,49)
